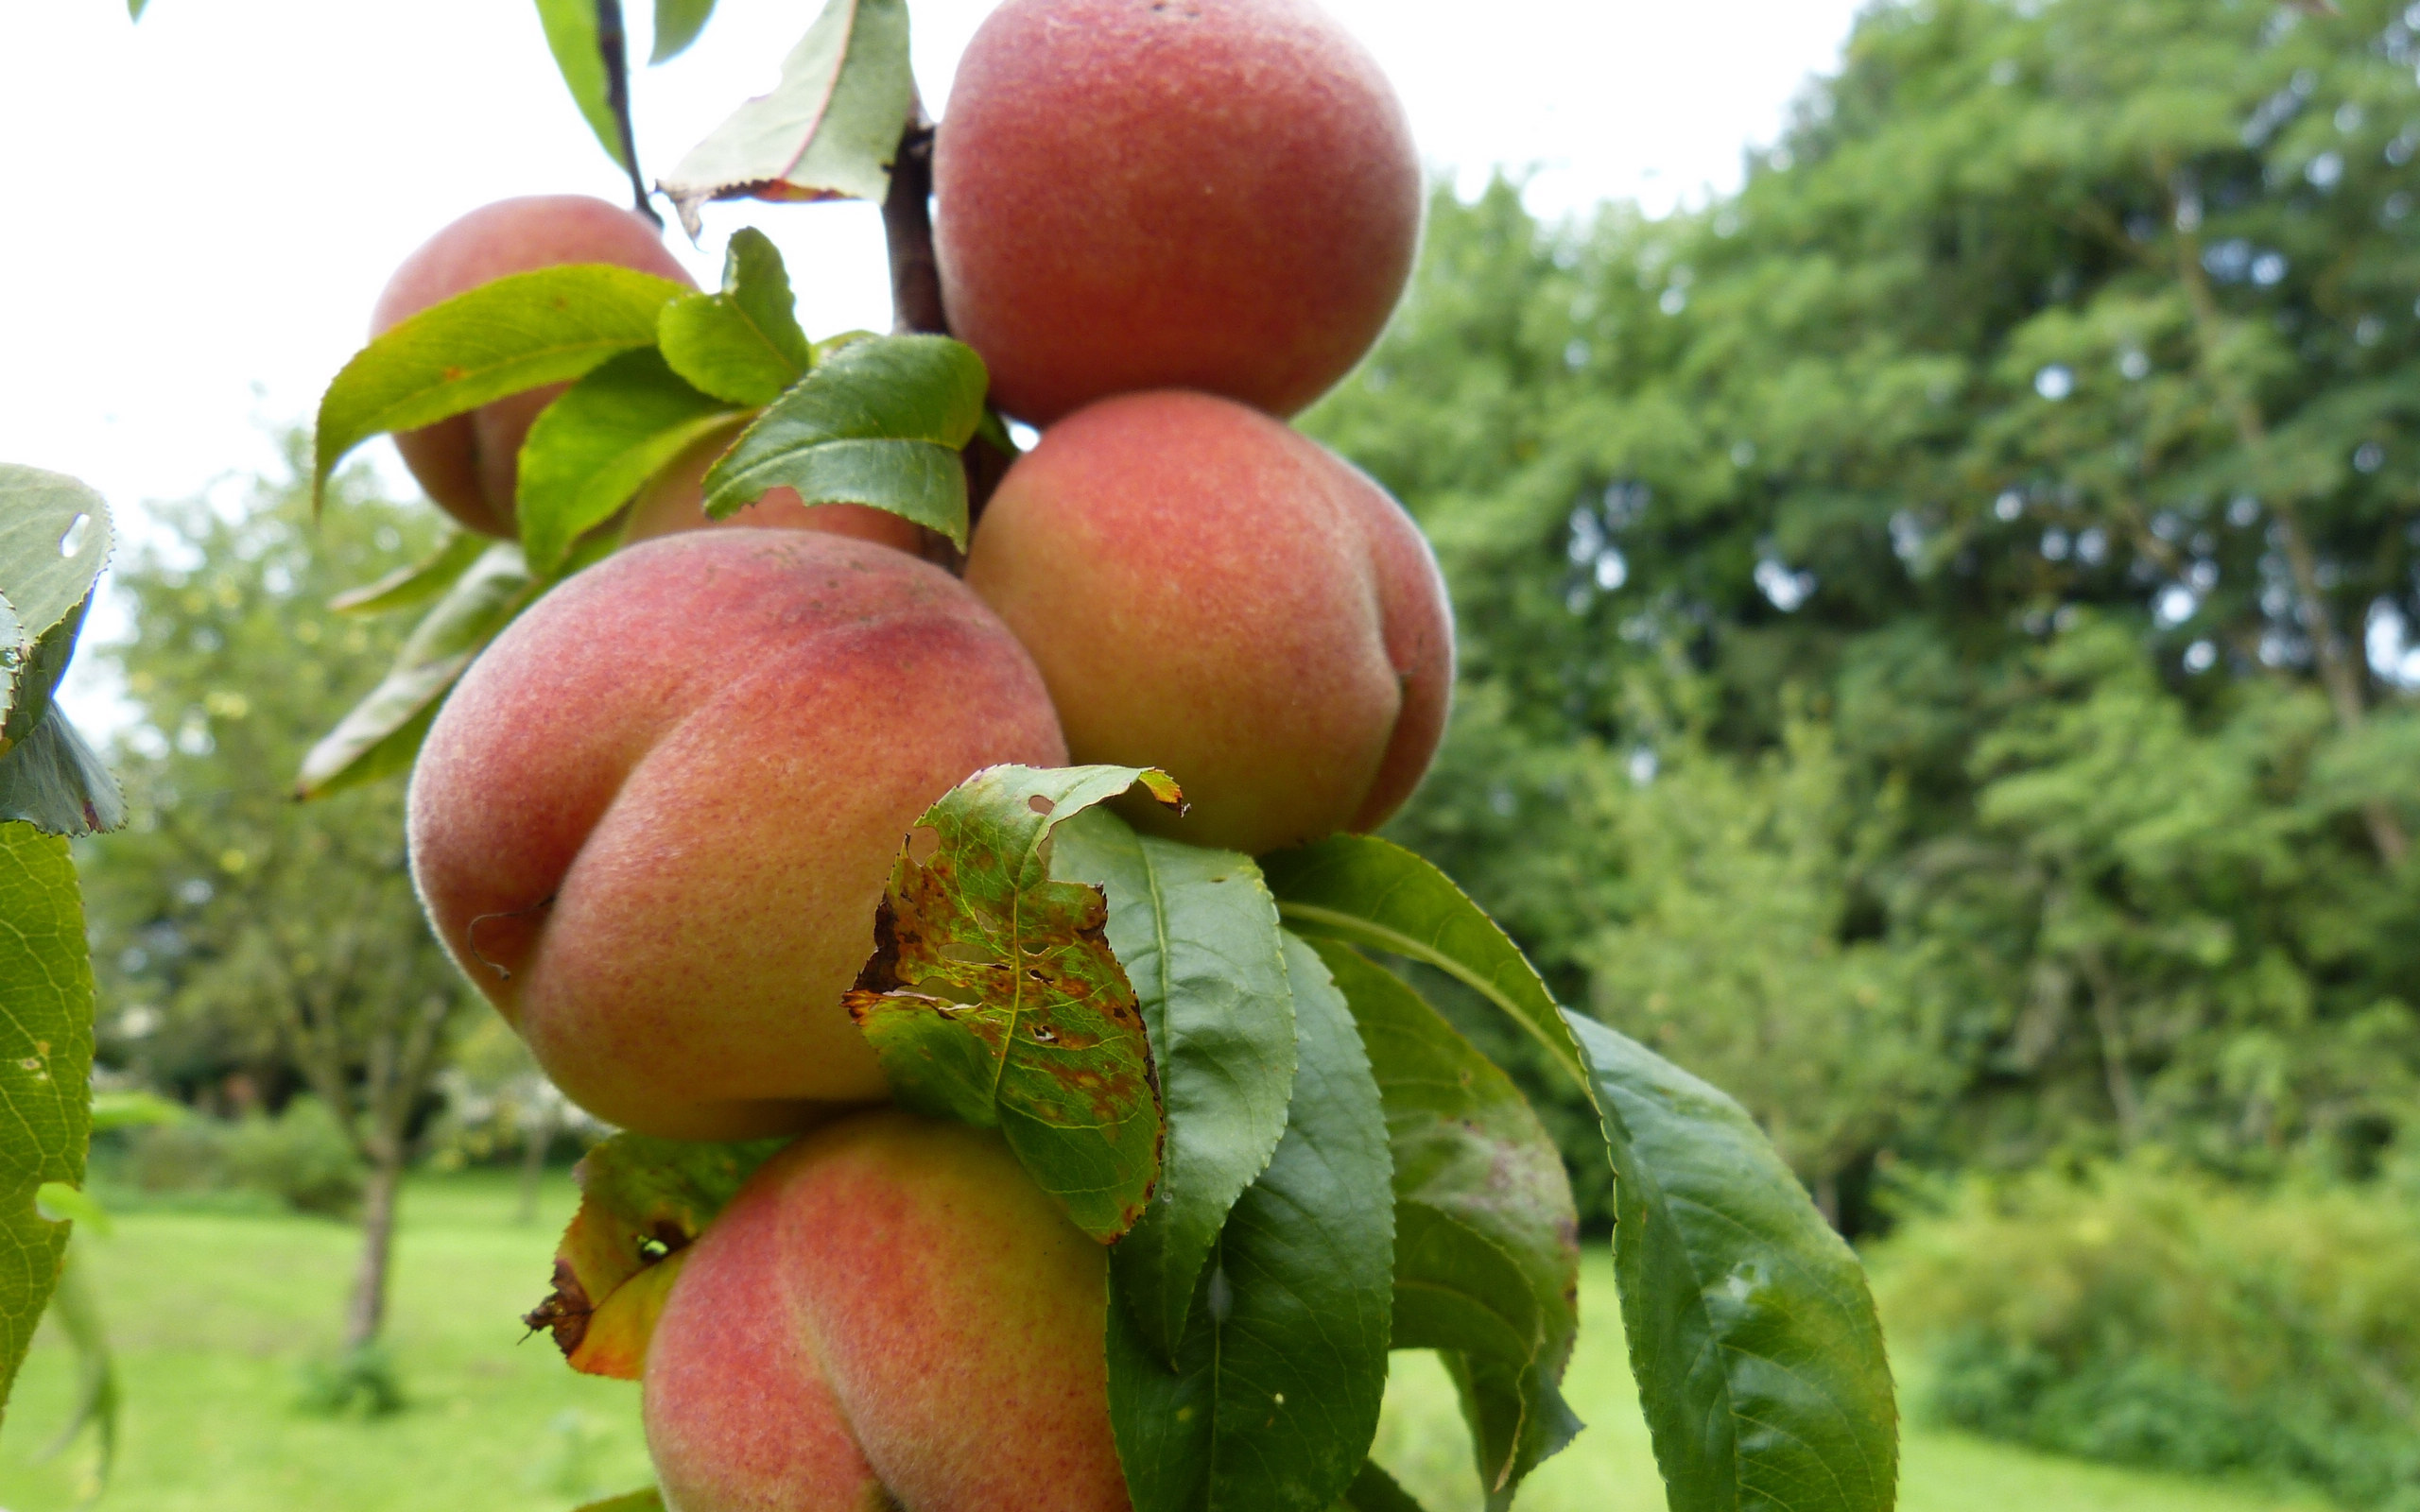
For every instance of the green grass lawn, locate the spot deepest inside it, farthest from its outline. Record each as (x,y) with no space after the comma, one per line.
(213,1314)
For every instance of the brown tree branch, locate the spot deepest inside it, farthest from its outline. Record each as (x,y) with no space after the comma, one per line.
(908,226)
(916,306)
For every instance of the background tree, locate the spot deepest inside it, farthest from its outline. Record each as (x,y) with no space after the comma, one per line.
(2032,436)
(236,930)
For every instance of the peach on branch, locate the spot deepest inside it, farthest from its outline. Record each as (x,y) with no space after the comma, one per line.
(889,1314)
(1219,194)
(471,463)
(1209,591)
(654,819)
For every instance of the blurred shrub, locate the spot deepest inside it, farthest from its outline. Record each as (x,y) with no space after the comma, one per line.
(358,1383)
(301,1157)
(2152,1317)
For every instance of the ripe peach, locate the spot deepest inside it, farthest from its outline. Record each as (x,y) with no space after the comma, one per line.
(889,1314)
(469,464)
(653,820)
(1219,194)
(1209,591)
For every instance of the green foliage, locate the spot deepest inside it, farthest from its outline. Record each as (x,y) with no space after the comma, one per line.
(592,450)
(360,1382)
(298,1157)
(55,539)
(1272,1395)
(379,736)
(677,25)
(1195,932)
(517,333)
(828,130)
(575,37)
(1368,892)
(995,998)
(743,344)
(1759,1360)
(247,943)
(45,1070)
(880,421)
(1928,562)
(2148,1315)
(1487,1248)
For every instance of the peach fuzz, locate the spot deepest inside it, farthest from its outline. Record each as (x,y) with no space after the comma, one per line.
(1208,591)
(1219,194)
(471,463)
(653,820)
(890,1314)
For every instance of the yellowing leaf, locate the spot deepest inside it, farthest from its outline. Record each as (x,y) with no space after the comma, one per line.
(994,996)
(642,1202)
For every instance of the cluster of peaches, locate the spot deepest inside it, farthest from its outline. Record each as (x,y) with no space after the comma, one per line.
(654,820)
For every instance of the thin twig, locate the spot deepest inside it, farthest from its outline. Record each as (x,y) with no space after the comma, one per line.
(614,41)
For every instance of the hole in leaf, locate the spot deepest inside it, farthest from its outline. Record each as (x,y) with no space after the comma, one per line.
(1040,804)
(78,531)
(923,843)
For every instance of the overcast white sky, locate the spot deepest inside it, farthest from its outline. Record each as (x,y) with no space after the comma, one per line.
(201,207)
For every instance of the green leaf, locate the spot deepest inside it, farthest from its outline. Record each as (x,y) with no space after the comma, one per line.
(517,333)
(1754,1338)
(54,541)
(77,1313)
(1487,1248)
(45,1071)
(61,1203)
(677,25)
(597,444)
(993,997)
(1197,933)
(1372,892)
(1375,1490)
(576,39)
(382,733)
(642,1202)
(744,344)
(54,781)
(134,8)
(1273,1397)
(880,421)
(421,583)
(829,129)
(133,1110)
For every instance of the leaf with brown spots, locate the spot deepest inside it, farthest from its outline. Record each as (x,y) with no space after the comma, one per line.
(993,997)
(642,1202)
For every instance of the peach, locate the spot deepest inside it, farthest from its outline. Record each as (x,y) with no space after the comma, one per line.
(890,1314)
(653,820)
(1209,591)
(471,463)
(1219,194)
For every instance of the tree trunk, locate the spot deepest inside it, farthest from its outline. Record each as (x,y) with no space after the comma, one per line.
(2111,1030)
(367,1314)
